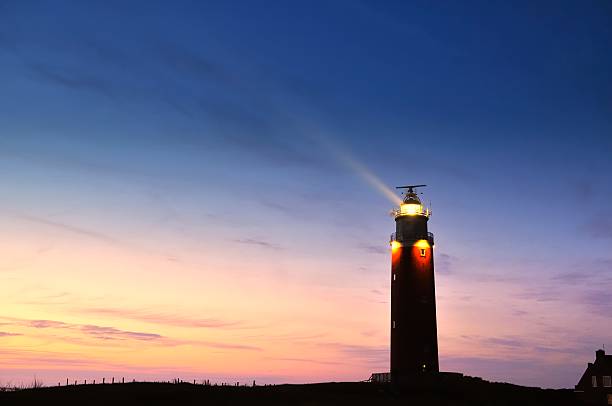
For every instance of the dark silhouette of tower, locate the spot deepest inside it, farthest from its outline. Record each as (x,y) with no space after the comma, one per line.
(414,338)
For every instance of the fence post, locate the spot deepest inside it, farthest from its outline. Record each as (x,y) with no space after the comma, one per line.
(113,380)
(123,380)
(103,380)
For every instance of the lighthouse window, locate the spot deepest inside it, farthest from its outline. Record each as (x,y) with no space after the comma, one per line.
(393,323)
(393,276)
(422,252)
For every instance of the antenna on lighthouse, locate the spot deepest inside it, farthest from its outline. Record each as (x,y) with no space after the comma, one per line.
(410,187)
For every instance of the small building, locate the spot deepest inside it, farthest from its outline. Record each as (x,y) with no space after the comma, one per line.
(595,386)
(380,377)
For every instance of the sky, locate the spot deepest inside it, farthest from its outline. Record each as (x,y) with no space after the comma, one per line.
(201,189)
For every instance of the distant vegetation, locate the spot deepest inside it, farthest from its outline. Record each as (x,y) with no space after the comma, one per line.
(10,387)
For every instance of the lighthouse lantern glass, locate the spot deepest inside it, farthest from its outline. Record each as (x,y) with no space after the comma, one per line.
(411,209)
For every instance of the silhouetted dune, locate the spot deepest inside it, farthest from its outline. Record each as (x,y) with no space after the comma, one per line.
(463,391)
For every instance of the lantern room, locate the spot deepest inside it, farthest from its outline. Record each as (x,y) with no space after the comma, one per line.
(411,205)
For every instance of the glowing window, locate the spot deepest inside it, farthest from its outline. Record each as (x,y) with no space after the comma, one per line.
(594,381)
(607,381)
(393,276)
(393,323)
(422,245)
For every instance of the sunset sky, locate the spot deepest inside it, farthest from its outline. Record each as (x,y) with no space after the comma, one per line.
(196,189)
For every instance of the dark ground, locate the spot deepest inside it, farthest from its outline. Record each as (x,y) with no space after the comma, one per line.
(461,391)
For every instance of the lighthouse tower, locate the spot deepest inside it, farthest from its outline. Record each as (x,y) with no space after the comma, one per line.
(414,338)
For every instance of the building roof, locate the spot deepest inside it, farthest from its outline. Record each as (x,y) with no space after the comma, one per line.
(601,367)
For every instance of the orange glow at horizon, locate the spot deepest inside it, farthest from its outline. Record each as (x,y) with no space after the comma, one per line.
(87,305)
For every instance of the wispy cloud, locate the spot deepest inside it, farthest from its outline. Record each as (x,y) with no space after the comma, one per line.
(589,286)
(69,228)
(61,298)
(94,331)
(116,336)
(28,358)
(71,78)
(372,354)
(161,318)
(228,346)
(46,324)
(541,293)
(596,273)
(288,337)
(305,360)
(196,65)
(445,263)
(245,118)
(258,242)
(6,334)
(573,277)
(376,249)
(505,341)
(598,300)
(282,208)
(599,227)
(111,333)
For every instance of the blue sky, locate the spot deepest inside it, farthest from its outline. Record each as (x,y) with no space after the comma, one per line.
(184,128)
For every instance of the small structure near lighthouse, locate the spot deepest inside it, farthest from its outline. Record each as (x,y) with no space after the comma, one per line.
(414,339)
(595,386)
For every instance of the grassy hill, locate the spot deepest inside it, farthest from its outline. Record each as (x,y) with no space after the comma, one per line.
(463,391)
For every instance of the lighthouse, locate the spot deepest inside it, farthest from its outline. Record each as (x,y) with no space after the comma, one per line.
(414,338)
